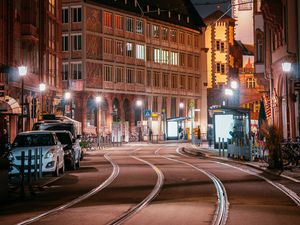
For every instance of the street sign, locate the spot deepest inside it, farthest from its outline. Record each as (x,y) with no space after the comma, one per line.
(297,86)
(147,113)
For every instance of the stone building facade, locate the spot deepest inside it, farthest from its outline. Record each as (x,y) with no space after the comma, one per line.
(130,52)
(30,36)
(281,33)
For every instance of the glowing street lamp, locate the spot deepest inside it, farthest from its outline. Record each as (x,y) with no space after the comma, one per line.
(228,92)
(98,99)
(181,105)
(67,95)
(286,67)
(139,103)
(22,72)
(234,84)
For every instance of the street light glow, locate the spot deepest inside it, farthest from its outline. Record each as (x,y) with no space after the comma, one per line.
(98,99)
(286,67)
(228,92)
(181,105)
(42,87)
(139,103)
(67,95)
(234,84)
(22,70)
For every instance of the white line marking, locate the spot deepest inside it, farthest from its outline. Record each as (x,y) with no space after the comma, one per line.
(107,182)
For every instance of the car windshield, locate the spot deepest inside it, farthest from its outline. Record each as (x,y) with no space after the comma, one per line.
(31,140)
(64,138)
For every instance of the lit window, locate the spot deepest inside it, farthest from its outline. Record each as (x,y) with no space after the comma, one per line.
(65,15)
(119,22)
(165,33)
(174,58)
(76,71)
(76,42)
(52,6)
(140,51)
(107,19)
(155,31)
(165,56)
(129,50)
(77,14)
(250,82)
(173,35)
(157,55)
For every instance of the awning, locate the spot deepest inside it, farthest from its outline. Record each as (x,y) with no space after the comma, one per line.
(178,119)
(9,105)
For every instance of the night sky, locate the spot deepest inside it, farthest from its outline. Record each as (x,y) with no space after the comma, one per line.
(205,10)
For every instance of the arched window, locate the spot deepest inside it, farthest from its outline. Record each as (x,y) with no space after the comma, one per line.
(250,82)
(259,47)
(91,112)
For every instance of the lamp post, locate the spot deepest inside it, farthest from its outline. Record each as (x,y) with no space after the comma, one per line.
(22,72)
(286,68)
(42,88)
(98,100)
(139,104)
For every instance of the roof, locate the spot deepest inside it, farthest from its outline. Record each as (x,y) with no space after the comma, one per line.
(246,48)
(183,7)
(217,15)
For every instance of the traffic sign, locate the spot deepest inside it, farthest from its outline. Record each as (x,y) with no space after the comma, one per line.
(147,113)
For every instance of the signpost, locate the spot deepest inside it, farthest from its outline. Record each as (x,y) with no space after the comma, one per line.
(147,113)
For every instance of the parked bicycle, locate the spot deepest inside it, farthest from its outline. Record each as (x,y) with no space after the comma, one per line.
(290,153)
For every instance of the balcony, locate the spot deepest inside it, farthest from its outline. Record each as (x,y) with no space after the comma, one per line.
(76,85)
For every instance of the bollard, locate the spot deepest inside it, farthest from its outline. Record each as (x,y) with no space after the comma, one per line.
(219,145)
(35,164)
(223,147)
(40,163)
(22,191)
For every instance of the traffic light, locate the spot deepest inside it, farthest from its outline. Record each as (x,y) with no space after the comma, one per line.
(2,90)
(33,108)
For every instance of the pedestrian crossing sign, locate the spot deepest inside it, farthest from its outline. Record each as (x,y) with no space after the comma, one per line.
(147,113)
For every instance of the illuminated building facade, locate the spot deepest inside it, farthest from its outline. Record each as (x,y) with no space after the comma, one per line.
(30,36)
(129,51)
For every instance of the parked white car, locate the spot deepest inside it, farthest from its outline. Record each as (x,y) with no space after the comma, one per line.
(52,151)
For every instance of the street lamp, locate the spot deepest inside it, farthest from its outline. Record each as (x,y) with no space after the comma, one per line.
(98,99)
(228,92)
(234,84)
(286,67)
(42,88)
(139,104)
(22,72)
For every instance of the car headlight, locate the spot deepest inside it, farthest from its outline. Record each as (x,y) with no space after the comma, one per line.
(50,154)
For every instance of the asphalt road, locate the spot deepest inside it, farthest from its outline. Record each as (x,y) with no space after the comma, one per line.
(158,184)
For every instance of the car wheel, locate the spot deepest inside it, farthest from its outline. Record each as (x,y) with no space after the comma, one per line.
(56,171)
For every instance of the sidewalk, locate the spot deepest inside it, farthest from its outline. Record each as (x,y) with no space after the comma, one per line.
(293,174)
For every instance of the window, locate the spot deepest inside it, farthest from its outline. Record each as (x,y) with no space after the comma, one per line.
(65,71)
(165,33)
(119,75)
(130,75)
(65,43)
(173,107)
(218,67)
(148,28)
(107,46)
(52,6)
(108,73)
(149,53)
(165,56)
(244,5)
(157,55)
(173,35)
(190,83)
(189,40)
(139,26)
(156,79)
(174,81)
(222,46)
(140,76)
(174,58)
(250,82)
(129,24)
(196,62)
(149,78)
(140,51)
(129,49)
(65,15)
(222,69)
(182,82)
(107,19)
(181,38)
(155,31)
(165,81)
(196,40)
(119,22)
(218,46)
(76,71)
(190,61)
(76,42)
(181,59)
(259,49)
(119,48)
(77,14)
